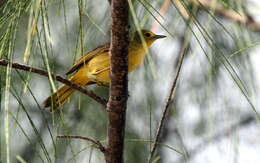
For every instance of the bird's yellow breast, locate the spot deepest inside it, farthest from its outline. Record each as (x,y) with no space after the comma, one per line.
(135,58)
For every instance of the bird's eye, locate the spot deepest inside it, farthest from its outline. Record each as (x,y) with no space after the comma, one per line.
(147,34)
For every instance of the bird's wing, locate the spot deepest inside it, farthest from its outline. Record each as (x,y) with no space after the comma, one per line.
(87,57)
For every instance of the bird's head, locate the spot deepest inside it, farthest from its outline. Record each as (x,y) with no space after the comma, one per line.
(148,36)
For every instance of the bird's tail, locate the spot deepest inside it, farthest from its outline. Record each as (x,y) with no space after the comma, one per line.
(61,95)
(58,98)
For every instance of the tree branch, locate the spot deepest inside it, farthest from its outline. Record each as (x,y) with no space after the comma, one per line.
(181,9)
(184,51)
(96,142)
(118,93)
(75,86)
(241,18)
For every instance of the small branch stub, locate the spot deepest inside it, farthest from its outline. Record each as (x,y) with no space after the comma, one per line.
(95,142)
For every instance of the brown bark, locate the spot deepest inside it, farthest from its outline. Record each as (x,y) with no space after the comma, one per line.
(75,86)
(118,93)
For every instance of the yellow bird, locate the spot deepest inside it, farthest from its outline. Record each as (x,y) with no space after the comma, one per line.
(93,67)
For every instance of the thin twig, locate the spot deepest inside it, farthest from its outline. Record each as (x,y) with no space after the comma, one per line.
(241,18)
(169,101)
(181,9)
(162,12)
(59,78)
(96,142)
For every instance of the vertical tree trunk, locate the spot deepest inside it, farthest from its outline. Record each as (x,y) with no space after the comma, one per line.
(118,93)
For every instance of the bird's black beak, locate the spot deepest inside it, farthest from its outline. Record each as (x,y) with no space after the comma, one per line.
(158,36)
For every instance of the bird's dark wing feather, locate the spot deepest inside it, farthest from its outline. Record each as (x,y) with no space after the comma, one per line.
(87,57)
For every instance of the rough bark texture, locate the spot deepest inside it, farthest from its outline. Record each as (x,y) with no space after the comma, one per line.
(118,93)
